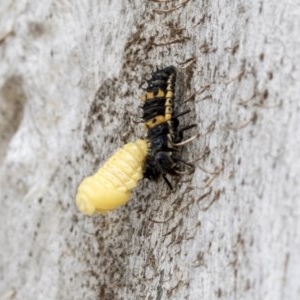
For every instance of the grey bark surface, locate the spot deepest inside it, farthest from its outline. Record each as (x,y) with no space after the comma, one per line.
(70,82)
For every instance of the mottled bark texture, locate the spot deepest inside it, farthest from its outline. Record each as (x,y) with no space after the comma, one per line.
(70,81)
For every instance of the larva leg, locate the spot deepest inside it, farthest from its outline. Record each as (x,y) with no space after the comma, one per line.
(191,166)
(181,130)
(186,141)
(182,113)
(168,182)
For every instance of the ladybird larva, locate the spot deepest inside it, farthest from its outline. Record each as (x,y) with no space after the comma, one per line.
(162,123)
(111,186)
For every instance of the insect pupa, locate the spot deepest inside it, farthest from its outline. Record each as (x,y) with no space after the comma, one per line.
(110,187)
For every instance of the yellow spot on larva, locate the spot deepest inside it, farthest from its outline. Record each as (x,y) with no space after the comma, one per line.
(155,121)
(152,95)
(160,93)
(169,94)
(168,117)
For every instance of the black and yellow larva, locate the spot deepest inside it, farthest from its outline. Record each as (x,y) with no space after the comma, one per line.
(110,187)
(157,155)
(161,120)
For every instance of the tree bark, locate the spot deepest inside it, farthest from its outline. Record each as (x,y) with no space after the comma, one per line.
(71,77)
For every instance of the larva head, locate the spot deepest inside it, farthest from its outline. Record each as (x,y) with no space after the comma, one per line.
(93,198)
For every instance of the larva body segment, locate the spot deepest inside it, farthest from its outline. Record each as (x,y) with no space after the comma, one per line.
(111,186)
(162,123)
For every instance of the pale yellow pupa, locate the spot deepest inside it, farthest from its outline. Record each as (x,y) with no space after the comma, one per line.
(111,186)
